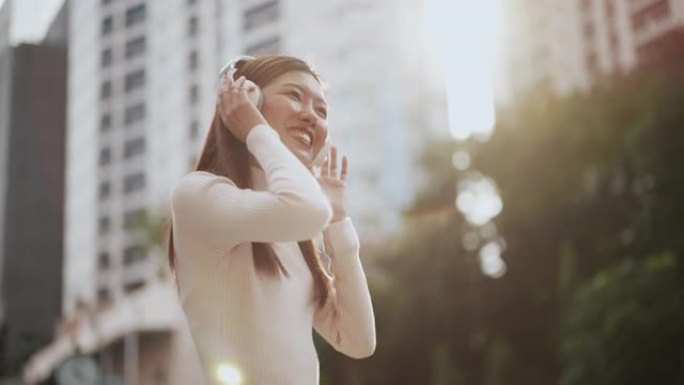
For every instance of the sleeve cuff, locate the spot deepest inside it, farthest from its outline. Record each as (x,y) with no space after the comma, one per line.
(340,236)
(259,133)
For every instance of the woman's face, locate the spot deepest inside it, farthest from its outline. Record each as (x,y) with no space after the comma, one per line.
(294,105)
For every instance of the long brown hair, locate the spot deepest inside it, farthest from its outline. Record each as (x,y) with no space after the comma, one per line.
(221,144)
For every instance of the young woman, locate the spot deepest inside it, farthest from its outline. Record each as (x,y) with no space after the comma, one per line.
(250,279)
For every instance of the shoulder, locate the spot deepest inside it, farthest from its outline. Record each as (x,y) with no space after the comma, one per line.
(196,183)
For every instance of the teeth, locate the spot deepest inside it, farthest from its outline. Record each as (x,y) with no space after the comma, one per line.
(304,138)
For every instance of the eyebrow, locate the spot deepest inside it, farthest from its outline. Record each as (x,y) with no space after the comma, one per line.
(306,90)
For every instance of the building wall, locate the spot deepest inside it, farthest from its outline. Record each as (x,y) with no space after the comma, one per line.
(599,38)
(6,85)
(32,252)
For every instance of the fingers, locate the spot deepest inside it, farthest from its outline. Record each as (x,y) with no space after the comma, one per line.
(333,161)
(343,173)
(329,168)
(238,85)
(227,80)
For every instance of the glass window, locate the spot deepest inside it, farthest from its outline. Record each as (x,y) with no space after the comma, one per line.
(133,286)
(107,25)
(193,60)
(268,46)
(135,15)
(261,14)
(193,94)
(106,58)
(135,47)
(134,80)
(134,113)
(134,182)
(133,254)
(103,295)
(105,122)
(105,189)
(105,156)
(134,219)
(106,90)
(103,225)
(103,260)
(194,129)
(134,147)
(193,26)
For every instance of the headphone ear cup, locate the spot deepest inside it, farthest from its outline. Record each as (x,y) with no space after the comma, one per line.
(255,94)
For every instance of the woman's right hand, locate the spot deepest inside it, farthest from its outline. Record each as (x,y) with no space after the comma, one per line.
(234,107)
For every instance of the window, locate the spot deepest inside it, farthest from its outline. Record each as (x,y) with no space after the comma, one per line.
(610,9)
(589,30)
(134,147)
(107,25)
(103,225)
(133,254)
(265,47)
(134,219)
(133,286)
(105,156)
(134,80)
(106,90)
(105,122)
(135,15)
(134,113)
(105,190)
(261,14)
(103,260)
(134,182)
(103,295)
(106,58)
(135,47)
(193,60)
(654,11)
(592,63)
(194,129)
(193,94)
(192,26)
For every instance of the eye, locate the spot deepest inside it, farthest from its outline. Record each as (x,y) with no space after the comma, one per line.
(322,112)
(294,94)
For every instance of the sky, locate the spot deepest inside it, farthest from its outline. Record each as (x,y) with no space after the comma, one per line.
(31,18)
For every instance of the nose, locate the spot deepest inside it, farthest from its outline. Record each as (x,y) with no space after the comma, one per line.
(308,115)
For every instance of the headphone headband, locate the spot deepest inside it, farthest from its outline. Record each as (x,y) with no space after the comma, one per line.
(231,64)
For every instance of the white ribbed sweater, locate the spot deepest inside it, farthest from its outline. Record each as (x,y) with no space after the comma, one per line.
(241,320)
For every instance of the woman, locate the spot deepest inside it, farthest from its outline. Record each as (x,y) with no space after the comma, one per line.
(251,282)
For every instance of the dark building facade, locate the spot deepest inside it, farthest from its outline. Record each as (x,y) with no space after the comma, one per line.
(33,81)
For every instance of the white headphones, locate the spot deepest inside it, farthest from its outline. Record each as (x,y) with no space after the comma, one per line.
(256,96)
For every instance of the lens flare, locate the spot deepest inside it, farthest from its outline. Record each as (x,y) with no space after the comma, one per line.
(229,374)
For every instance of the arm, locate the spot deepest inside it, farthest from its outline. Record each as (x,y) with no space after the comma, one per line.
(293,209)
(346,321)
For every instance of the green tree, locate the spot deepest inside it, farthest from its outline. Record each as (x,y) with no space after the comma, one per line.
(625,326)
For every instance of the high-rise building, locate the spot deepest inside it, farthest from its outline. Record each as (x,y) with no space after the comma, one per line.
(32,138)
(570,45)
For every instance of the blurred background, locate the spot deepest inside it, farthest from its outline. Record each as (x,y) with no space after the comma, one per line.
(514,179)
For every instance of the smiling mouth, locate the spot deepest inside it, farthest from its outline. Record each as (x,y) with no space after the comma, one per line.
(301,135)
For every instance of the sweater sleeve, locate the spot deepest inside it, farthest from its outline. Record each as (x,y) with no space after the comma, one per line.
(346,321)
(294,208)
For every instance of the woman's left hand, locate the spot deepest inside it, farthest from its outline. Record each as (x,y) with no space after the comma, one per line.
(334,185)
